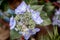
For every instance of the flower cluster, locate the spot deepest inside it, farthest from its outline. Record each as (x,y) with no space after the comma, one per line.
(25,20)
(56,18)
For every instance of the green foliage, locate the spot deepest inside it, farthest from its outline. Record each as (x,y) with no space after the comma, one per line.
(46,20)
(49,8)
(4,5)
(37,7)
(31,2)
(41,2)
(5,11)
(1,1)
(43,37)
(43,14)
(14,35)
(52,35)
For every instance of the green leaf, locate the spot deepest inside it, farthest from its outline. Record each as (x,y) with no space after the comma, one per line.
(55,31)
(46,20)
(14,34)
(49,8)
(4,5)
(46,37)
(27,1)
(1,1)
(37,7)
(30,2)
(41,7)
(58,37)
(50,34)
(43,37)
(33,2)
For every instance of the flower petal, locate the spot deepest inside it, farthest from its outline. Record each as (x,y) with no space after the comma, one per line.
(35,30)
(21,8)
(12,23)
(36,17)
(27,36)
(28,8)
(38,20)
(57,12)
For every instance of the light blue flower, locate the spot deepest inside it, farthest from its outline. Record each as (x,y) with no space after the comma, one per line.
(57,12)
(21,8)
(56,21)
(56,18)
(27,36)
(34,31)
(30,32)
(36,17)
(12,23)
